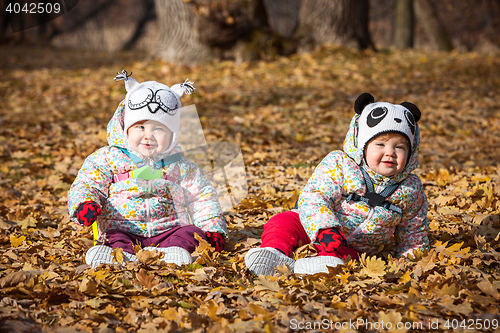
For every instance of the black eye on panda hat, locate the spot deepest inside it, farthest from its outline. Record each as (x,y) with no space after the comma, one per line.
(379,118)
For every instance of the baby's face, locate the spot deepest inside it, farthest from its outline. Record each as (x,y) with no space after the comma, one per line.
(387,155)
(149,137)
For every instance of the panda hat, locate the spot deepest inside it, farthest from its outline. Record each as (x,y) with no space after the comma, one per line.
(379,118)
(151,100)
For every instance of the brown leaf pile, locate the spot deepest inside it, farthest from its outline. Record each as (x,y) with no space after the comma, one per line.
(286,115)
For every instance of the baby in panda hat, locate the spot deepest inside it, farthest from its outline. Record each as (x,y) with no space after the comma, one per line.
(138,187)
(357,198)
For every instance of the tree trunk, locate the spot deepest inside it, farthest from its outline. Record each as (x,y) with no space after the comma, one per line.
(197,30)
(283,16)
(427,16)
(403,28)
(179,39)
(149,14)
(4,23)
(334,22)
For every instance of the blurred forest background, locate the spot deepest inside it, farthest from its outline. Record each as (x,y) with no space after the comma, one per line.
(193,30)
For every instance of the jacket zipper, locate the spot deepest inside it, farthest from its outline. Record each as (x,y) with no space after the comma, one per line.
(148,209)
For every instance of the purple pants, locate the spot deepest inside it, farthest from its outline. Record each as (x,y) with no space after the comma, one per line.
(177,236)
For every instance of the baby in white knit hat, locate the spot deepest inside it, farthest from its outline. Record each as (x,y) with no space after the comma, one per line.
(140,189)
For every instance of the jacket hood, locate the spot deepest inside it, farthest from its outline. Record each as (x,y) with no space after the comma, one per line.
(116,135)
(357,154)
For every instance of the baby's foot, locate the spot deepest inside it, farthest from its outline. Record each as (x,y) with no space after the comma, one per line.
(315,265)
(173,255)
(263,260)
(99,254)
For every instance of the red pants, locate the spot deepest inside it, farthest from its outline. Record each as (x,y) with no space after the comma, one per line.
(285,233)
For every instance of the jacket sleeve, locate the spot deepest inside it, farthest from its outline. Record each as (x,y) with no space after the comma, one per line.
(321,194)
(92,182)
(411,233)
(203,201)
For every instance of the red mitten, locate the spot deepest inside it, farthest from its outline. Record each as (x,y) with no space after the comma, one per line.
(87,213)
(331,242)
(330,239)
(216,240)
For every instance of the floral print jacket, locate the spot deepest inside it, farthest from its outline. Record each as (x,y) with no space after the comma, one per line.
(322,203)
(182,196)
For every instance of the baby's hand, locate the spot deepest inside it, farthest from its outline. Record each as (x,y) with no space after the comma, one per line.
(216,240)
(87,213)
(330,239)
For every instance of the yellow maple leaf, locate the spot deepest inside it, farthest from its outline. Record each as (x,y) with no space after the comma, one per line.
(16,241)
(257,310)
(447,302)
(265,283)
(284,270)
(425,264)
(210,308)
(118,255)
(392,316)
(453,251)
(27,223)
(172,314)
(88,286)
(480,178)
(290,202)
(110,309)
(204,251)
(198,275)
(96,303)
(451,290)
(405,278)
(137,247)
(320,286)
(372,266)
(449,210)
(488,288)
(443,200)
(305,251)
(417,254)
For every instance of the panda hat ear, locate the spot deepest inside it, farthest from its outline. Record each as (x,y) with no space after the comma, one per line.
(363,100)
(413,109)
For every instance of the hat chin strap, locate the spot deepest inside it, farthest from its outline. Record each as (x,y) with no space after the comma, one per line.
(172,146)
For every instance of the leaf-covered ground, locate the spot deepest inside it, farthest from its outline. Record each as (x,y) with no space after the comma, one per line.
(286,115)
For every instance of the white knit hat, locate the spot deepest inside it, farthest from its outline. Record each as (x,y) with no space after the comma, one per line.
(151,100)
(379,118)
